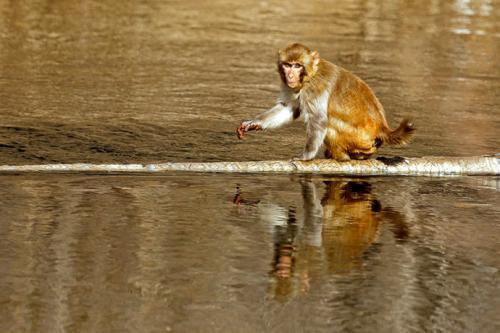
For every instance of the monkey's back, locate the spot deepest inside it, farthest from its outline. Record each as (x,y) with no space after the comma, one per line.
(353,101)
(355,115)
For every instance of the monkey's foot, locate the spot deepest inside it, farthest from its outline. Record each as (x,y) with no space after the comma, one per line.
(301,159)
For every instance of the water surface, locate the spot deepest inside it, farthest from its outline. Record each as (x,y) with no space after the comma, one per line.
(168,80)
(236,253)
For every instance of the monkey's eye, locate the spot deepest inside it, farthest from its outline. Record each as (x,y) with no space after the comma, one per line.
(287,65)
(296,65)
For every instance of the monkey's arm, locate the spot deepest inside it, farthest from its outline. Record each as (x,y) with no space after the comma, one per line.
(315,136)
(278,116)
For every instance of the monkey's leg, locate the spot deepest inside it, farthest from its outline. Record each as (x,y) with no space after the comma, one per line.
(334,149)
(359,156)
(337,154)
(362,150)
(315,136)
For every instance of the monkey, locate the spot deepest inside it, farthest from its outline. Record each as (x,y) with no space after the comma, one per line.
(340,111)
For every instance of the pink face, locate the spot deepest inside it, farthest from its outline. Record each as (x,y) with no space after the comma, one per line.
(292,73)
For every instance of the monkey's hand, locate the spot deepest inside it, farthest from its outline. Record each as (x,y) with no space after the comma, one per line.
(247,126)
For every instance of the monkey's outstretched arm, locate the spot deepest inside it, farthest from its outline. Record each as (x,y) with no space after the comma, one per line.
(279,115)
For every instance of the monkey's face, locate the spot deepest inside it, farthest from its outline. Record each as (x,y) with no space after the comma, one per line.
(297,64)
(293,73)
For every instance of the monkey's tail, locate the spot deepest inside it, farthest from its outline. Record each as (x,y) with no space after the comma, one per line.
(399,136)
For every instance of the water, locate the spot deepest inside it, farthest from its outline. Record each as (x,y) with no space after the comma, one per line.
(245,253)
(93,81)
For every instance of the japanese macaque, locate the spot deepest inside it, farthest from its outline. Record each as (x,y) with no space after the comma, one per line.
(338,108)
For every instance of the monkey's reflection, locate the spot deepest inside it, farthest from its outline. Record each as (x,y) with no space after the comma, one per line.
(351,217)
(341,227)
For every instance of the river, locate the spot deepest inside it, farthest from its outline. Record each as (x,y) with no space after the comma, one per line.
(155,81)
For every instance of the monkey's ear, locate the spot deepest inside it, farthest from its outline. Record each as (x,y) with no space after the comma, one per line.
(281,55)
(315,56)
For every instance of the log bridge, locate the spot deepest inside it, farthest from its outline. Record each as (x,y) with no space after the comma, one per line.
(423,166)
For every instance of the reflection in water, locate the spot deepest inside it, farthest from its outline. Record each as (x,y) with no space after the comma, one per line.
(118,253)
(351,217)
(343,226)
(284,253)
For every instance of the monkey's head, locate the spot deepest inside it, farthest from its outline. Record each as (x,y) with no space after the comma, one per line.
(297,64)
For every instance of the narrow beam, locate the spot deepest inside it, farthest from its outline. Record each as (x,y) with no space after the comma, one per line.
(424,166)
